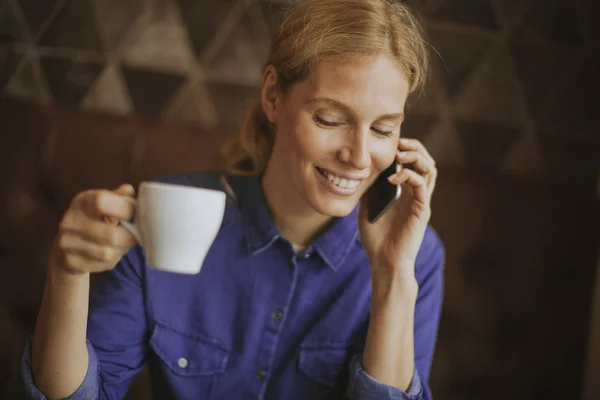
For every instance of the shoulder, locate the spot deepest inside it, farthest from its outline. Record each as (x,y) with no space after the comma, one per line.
(200,179)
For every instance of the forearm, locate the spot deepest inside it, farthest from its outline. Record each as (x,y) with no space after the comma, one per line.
(59,352)
(389,350)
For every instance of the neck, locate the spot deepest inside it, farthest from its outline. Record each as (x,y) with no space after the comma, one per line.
(295,219)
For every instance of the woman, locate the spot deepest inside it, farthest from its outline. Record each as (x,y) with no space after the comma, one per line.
(301,296)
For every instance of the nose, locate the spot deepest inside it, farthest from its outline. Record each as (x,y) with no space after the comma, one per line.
(356,151)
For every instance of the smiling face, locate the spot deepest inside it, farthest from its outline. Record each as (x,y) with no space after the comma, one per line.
(336,131)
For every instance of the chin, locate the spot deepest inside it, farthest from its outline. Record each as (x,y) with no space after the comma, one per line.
(334,207)
(339,212)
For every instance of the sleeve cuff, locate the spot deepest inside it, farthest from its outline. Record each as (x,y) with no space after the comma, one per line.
(88,390)
(364,387)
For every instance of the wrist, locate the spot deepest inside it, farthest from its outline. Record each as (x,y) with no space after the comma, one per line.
(394,287)
(61,276)
(398,273)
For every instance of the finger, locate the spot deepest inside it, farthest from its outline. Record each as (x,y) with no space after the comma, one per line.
(79,263)
(423,163)
(407,176)
(103,203)
(128,192)
(109,235)
(416,181)
(75,244)
(420,162)
(431,180)
(96,231)
(125,189)
(416,145)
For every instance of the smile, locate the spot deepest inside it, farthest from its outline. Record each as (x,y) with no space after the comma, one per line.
(340,185)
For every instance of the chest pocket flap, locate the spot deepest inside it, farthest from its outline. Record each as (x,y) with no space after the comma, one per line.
(328,365)
(188,355)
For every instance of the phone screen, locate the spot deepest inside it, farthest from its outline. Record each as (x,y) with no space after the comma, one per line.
(382,193)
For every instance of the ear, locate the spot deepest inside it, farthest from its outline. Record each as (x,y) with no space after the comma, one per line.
(269,94)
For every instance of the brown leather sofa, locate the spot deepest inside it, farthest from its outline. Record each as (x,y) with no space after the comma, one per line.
(520,256)
(47,155)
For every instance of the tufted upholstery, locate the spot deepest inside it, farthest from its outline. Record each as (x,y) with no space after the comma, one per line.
(520,256)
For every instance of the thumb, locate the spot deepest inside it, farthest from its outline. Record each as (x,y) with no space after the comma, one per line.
(125,189)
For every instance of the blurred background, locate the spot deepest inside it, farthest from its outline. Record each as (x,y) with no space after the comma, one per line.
(98,92)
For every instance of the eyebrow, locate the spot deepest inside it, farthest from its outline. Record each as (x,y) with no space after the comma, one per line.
(345,107)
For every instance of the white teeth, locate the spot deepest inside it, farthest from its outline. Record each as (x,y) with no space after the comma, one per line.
(342,182)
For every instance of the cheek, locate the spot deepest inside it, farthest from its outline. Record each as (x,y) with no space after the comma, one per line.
(308,143)
(287,138)
(384,153)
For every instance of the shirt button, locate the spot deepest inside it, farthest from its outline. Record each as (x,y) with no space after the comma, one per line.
(306,255)
(277,315)
(182,362)
(261,375)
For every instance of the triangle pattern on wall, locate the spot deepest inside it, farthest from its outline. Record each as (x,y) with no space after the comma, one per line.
(160,41)
(242,55)
(116,18)
(494,92)
(28,82)
(109,93)
(69,80)
(459,55)
(151,90)
(82,33)
(499,68)
(485,145)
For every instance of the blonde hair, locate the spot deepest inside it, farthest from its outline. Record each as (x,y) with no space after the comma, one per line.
(317,30)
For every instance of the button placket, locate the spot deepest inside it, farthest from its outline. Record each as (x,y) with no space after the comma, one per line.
(260,375)
(277,315)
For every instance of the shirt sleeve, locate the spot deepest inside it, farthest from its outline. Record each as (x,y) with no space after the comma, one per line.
(364,387)
(116,334)
(429,271)
(88,390)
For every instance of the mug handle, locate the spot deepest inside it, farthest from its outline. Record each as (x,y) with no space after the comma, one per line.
(131,227)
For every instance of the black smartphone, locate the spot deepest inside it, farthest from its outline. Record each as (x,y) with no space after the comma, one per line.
(382,194)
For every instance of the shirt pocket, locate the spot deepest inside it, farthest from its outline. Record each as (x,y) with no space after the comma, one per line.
(324,369)
(190,363)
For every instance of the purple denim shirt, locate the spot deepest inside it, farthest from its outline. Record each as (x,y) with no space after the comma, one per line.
(258,322)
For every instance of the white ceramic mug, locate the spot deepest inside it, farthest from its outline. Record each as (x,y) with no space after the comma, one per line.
(176,224)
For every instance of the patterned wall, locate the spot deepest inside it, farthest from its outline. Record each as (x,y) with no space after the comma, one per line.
(515,87)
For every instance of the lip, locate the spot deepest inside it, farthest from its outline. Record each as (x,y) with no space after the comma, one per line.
(345,176)
(331,187)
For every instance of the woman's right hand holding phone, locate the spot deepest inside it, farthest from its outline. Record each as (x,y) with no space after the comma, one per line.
(89,237)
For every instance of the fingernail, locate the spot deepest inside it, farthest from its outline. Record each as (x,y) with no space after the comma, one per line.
(403,140)
(392,177)
(402,154)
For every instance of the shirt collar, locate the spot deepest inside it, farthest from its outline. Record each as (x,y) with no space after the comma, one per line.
(337,240)
(332,245)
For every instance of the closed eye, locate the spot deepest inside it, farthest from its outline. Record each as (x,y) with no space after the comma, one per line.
(323,122)
(332,124)
(384,133)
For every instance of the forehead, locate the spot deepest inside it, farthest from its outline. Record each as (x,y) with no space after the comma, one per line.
(368,85)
